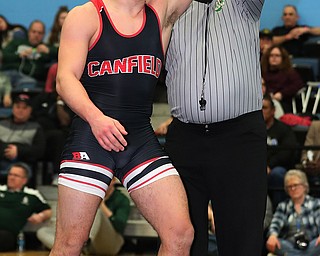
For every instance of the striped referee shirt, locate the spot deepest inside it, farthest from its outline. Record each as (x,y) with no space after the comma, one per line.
(233,77)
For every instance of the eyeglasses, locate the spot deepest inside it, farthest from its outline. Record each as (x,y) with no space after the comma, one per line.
(16,175)
(288,14)
(275,55)
(293,186)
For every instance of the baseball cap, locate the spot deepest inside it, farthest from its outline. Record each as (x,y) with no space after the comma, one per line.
(23,98)
(265,33)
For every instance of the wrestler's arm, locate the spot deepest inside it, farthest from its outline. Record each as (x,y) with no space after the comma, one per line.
(169,11)
(79,31)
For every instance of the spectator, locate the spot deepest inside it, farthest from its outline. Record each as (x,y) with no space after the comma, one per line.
(282,80)
(278,108)
(110,222)
(5,91)
(20,138)
(278,160)
(54,39)
(311,158)
(54,116)
(54,35)
(265,37)
(296,219)
(291,35)
(19,205)
(9,31)
(26,61)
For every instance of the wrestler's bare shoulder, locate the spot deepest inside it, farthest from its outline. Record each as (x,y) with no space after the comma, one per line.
(82,21)
(83,13)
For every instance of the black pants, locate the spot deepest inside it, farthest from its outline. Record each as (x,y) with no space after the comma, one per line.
(8,241)
(223,162)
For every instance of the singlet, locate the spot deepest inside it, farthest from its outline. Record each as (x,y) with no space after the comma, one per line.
(121,71)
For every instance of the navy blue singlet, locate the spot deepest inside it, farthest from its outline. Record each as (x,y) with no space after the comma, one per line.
(121,71)
(120,76)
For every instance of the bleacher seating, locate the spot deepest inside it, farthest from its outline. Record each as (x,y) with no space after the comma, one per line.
(308,67)
(312,48)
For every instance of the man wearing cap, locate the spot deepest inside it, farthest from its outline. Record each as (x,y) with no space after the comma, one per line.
(265,37)
(20,138)
(19,205)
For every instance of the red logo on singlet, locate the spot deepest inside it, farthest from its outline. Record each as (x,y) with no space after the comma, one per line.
(80,156)
(145,64)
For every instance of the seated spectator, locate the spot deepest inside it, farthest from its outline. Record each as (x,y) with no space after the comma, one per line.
(5,91)
(291,35)
(278,108)
(295,225)
(311,158)
(279,160)
(20,138)
(5,96)
(265,38)
(54,39)
(106,233)
(55,118)
(19,205)
(9,31)
(54,35)
(282,80)
(26,61)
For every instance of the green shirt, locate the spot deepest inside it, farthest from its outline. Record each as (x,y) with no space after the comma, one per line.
(36,68)
(119,204)
(17,207)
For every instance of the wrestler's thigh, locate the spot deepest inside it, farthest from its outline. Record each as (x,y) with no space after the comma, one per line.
(75,214)
(163,203)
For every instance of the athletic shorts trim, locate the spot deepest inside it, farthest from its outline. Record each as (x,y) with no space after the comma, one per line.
(78,175)
(84,184)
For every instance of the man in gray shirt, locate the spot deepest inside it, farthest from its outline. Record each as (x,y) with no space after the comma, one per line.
(217,139)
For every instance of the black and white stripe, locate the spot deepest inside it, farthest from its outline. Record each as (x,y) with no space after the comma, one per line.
(233,80)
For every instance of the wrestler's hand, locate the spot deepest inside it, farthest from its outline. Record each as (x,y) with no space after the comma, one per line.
(109,133)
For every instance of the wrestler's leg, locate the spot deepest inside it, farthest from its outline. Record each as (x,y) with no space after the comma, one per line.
(75,214)
(164,204)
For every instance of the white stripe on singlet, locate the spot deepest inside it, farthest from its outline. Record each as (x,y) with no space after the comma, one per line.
(233,80)
(154,175)
(82,183)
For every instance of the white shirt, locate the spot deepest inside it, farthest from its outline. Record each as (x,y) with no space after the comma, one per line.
(233,79)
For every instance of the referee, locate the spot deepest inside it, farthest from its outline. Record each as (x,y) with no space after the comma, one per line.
(217,139)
